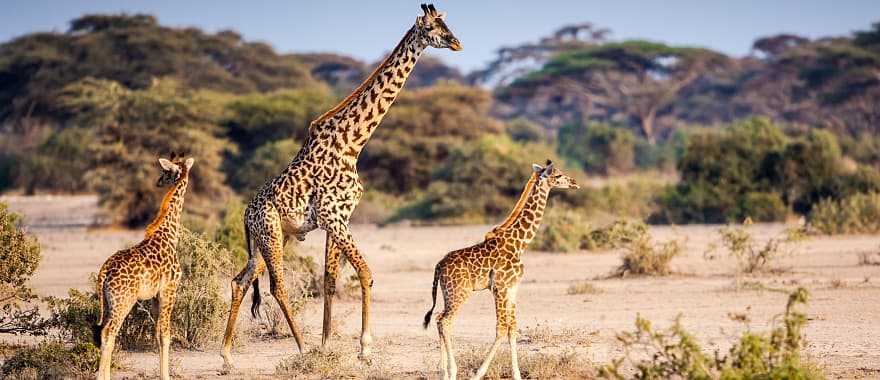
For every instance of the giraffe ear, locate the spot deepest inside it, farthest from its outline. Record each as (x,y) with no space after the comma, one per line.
(189,163)
(537,168)
(165,164)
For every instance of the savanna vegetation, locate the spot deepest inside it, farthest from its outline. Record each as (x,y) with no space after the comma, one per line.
(698,136)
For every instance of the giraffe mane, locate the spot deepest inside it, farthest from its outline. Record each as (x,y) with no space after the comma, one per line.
(527,190)
(362,87)
(163,211)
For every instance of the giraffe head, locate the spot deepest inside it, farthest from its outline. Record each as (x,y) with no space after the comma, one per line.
(173,169)
(433,30)
(554,177)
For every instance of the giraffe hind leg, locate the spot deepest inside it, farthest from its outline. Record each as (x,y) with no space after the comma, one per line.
(240,285)
(271,246)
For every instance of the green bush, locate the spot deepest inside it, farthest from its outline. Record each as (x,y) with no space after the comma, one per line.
(20,255)
(491,171)
(675,353)
(763,207)
(52,360)
(856,214)
(598,148)
(51,168)
(230,232)
(525,131)
(643,258)
(264,163)
(618,234)
(561,231)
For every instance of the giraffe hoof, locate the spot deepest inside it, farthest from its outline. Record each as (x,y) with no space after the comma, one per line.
(365,358)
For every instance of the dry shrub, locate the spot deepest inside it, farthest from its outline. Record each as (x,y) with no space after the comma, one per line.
(20,256)
(582,287)
(52,360)
(869,258)
(643,258)
(548,336)
(674,353)
(855,214)
(619,233)
(533,365)
(750,255)
(568,231)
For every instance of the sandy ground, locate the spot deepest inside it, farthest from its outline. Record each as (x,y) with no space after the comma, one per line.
(842,336)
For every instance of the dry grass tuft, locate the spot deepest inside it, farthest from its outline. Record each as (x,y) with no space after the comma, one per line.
(533,365)
(547,336)
(869,258)
(334,362)
(583,287)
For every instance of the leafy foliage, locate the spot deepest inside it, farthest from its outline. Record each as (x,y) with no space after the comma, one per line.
(131,128)
(20,255)
(675,353)
(752,256)
(643,258)
(599,148)
(858,213)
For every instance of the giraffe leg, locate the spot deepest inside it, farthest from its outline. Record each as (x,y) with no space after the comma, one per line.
(452,301)
(117,313)
(342,238)
(501,329)
(240,285)
(332,266)
(273,251)
(512,331)
(163,328)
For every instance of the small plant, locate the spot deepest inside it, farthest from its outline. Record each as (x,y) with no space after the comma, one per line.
(333,362)
(856,214)
(618,234)
(643,258)
(675,353)
(20,256)
(582,287)
(751,256)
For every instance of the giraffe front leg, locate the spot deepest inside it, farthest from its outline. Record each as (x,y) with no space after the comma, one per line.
(163,328)
(343,239)
(332,257)
(240,284)
(512,331)
(502,328)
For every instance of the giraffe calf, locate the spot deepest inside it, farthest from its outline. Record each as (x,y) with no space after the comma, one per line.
(493,264)
(147,270)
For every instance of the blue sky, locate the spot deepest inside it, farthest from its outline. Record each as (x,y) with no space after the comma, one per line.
(368,29)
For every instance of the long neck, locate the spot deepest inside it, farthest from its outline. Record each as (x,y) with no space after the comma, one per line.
(526,224)
(168,219)
(350,124)
(517,208)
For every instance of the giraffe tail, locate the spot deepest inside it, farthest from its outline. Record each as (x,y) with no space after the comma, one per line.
(102,311)
(433,297)
(257,298)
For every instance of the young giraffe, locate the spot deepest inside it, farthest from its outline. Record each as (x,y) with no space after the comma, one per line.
(147,270)
(320,188)
(493,264)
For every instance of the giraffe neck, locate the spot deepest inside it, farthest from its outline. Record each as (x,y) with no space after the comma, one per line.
(350,124)
(168,219)
(526,224)
(517,208)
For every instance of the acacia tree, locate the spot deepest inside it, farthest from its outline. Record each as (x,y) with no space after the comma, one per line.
(633,79)
(131,128)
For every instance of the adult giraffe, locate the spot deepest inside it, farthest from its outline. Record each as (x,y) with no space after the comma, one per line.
(320,187)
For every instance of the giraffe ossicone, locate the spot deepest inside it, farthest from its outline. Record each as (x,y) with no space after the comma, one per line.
(320,188)
(494,264)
